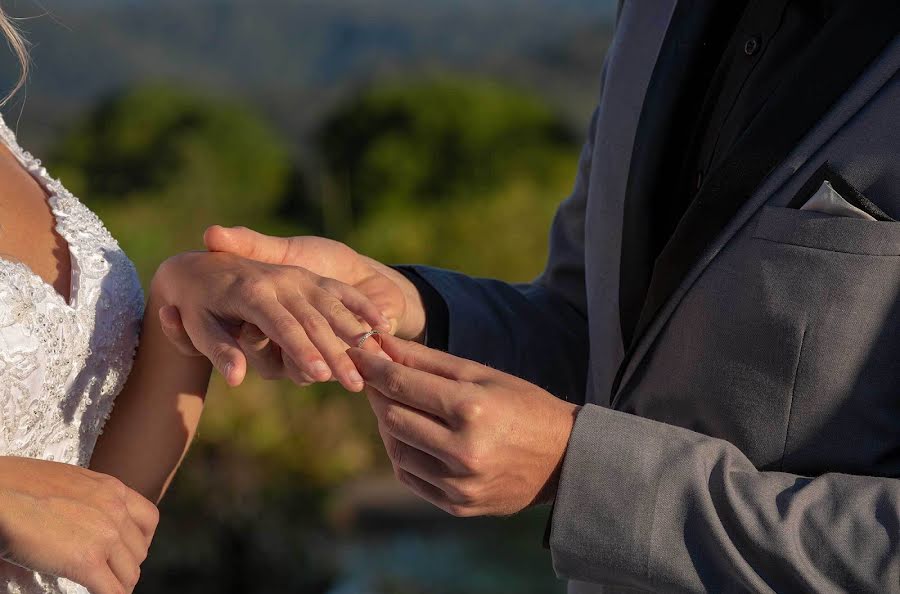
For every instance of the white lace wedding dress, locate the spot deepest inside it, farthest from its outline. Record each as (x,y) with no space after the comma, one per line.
(62,364)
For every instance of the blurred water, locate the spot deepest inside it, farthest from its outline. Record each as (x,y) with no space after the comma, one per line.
(449,562)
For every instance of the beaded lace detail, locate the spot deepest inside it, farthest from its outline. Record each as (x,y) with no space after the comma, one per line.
(62,364)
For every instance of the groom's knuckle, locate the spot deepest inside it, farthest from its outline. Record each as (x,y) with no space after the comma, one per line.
(393,421)
(395,381)
(470,410)
(415,356)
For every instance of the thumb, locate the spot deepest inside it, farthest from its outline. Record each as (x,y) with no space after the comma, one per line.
(246,243)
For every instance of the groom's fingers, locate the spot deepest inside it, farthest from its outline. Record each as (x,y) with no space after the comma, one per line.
(434,495)
(245,242)
(429,469)
(420,487)
(417,389)
(418,356)
(412,427)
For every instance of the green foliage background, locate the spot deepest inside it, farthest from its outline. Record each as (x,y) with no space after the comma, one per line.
(449,171)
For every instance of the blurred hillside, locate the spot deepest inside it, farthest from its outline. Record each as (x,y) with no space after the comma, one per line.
(436,131)
(296,58)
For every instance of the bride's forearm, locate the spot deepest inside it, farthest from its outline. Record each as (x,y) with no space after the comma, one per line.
(156,415)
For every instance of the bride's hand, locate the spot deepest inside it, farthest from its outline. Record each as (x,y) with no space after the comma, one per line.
(70,522)
(310,320)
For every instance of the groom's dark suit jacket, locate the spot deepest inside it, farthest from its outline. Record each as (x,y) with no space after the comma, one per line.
(738,358)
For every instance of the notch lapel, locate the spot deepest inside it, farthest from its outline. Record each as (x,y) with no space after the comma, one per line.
(672,72)
(828,68)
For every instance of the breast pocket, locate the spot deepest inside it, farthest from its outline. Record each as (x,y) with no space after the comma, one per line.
(840,279)
(814,230)
(788,346)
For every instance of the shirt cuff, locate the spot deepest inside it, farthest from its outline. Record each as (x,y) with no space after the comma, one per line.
(437,314)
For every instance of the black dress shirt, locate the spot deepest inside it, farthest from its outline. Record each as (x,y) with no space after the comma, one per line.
(744,54)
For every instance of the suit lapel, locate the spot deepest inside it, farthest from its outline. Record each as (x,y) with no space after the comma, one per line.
(658,121)
(828,67)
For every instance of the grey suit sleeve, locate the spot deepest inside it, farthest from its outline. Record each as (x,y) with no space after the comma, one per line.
(650,505)
(538,330)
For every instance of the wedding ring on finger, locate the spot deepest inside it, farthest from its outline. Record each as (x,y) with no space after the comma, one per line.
(367,336)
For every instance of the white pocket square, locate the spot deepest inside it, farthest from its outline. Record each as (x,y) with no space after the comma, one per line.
(827,200)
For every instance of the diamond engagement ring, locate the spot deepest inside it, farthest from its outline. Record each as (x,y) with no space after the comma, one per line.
(366,336)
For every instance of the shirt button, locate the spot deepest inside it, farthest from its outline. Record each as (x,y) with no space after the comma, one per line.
(751,46)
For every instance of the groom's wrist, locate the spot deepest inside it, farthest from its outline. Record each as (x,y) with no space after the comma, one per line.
(433,326)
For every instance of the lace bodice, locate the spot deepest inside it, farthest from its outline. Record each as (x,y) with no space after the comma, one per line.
(62,364)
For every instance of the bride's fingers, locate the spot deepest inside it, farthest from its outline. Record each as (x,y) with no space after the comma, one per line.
(296,375)
(345,326)
(321,331)
(286,329)
(173,328)
(219,346)
(357,303)
(262,354)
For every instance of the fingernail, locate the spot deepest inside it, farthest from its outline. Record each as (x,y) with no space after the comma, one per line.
(355,377)
(321,370)
(226,371)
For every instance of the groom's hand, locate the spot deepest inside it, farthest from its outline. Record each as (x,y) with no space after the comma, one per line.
(470,439)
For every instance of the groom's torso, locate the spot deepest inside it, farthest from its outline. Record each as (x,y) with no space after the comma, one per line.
(774,328)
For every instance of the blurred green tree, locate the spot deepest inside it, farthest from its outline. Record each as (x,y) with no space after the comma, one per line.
(160,164)
(406,145)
